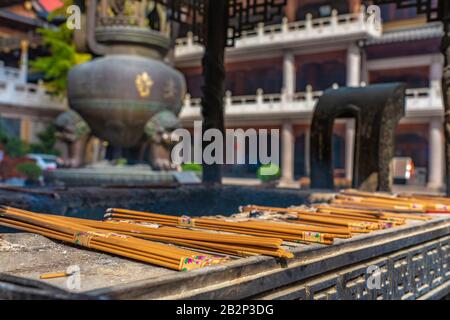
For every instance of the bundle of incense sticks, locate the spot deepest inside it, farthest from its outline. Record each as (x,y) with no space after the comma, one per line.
(384,215)
(384,219)
(391,203)
(238,245)
(123,245)
(441,204)
(304,216)
(285,231)
(361,219)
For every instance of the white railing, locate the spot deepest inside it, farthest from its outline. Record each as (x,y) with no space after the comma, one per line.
(345,25)
(258,104)
(422,100)
(28,95)
(9,74)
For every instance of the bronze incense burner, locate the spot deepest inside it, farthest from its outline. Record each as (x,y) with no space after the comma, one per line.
(120,91)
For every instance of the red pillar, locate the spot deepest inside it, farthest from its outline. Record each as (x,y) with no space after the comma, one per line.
(291,9)
(354,6)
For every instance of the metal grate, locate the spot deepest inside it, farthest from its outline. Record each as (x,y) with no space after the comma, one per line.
(243,15)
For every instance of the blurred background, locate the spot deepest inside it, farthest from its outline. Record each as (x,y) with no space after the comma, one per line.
(274,76)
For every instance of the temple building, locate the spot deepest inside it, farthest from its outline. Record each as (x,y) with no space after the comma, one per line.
(276,73)
(26,108)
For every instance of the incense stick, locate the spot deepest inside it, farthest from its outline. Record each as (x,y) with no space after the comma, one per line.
(127,246)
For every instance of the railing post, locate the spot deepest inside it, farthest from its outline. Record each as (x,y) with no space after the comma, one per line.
(416,96)
(334,19)
(42,92)
(190,39)
(309,96)
(285,25)
(308,23)
(40,85)
(259,97)
(187,101)
(228,101)
(260,30)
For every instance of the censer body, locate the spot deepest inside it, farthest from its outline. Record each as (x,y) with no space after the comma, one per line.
(118,94)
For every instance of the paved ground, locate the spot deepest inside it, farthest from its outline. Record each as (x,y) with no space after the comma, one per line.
(396,188)
(416,189)
(30,255)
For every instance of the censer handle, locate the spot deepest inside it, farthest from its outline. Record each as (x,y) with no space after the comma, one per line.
(93,45)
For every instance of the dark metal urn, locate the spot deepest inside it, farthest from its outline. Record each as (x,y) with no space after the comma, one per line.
(118,93)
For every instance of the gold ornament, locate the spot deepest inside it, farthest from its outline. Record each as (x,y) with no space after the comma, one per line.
(144,84)
(28,5)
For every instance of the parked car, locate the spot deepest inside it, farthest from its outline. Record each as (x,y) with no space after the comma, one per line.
(402,169)
(45,161)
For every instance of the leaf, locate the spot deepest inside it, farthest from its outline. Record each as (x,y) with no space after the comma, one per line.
(62,56)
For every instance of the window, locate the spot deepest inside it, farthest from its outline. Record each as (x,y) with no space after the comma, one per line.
(321,9)
(247,79)
(194,85)
(413,77)
(322,75)
(390,12)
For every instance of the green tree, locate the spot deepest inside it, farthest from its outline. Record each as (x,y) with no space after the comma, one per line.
(62,57)
(47,141)
(30,170)
(3,135)
(14,146)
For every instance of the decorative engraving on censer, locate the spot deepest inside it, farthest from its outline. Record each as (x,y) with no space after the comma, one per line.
(144,84)
(170,90)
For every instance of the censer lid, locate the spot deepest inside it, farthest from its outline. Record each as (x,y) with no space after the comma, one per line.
(133,36)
